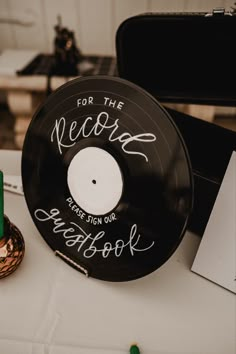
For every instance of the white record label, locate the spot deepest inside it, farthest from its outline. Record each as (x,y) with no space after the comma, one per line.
(95,180)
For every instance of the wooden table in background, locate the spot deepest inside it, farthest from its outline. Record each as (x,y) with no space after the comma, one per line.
(24,78)
(24,94)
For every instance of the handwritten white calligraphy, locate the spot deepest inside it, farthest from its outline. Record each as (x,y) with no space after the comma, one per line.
(100,123)
(76,236)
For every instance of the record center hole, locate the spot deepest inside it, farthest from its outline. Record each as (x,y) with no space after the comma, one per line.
(94,181)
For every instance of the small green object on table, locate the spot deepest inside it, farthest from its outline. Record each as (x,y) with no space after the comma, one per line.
(134,349)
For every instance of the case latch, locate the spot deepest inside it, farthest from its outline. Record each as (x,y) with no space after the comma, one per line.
(219,11)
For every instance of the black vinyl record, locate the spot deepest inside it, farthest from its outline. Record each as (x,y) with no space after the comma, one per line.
(107,178)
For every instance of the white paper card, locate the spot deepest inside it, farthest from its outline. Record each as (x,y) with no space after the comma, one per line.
(12,183)
(216,256)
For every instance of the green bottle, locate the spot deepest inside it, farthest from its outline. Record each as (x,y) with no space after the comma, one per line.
(134,349)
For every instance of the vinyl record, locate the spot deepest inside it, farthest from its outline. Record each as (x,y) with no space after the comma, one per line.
(107,178)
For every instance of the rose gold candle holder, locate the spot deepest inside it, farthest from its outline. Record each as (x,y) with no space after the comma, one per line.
(12,248)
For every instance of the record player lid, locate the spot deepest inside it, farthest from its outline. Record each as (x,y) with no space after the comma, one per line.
(180,57)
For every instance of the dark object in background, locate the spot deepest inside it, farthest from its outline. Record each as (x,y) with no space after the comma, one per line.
(67,60)
(175,69)
(42,65)
(67,55)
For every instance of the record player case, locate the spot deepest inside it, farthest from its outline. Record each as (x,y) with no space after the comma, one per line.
(155,52)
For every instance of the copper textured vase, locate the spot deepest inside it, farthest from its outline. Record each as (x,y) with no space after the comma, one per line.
(12,249)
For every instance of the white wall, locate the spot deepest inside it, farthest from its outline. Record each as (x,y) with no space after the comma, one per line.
(94,21)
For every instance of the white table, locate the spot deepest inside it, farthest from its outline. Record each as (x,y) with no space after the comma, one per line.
(48,307)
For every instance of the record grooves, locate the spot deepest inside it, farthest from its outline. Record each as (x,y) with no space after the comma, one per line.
(107,178)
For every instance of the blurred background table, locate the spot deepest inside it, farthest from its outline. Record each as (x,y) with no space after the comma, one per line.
(26,78)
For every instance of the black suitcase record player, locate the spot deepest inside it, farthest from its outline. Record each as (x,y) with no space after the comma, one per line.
(187,58)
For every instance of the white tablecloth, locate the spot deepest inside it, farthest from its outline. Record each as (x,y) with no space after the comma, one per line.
(47,307)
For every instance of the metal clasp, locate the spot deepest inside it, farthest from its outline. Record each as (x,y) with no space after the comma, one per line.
(219,11)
